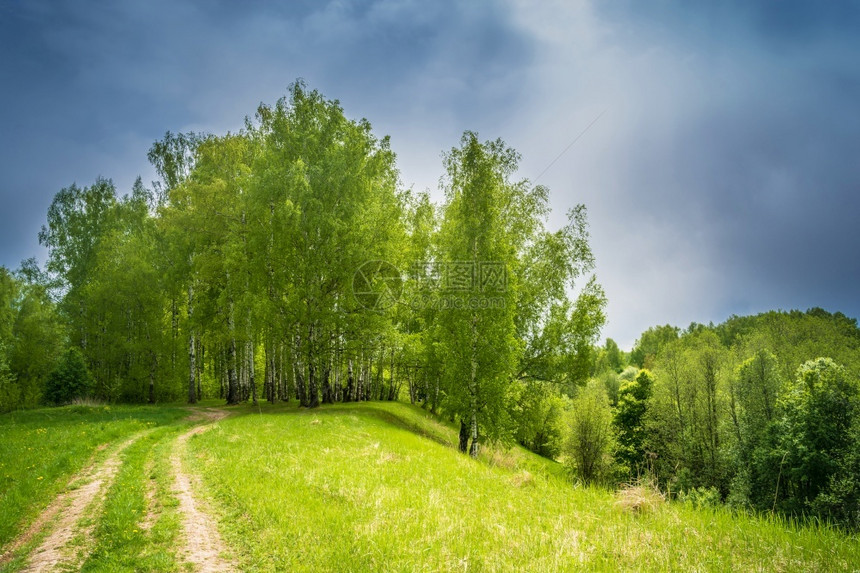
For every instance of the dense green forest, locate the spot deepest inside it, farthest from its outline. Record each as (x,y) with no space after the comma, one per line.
(759,411)
(287,262)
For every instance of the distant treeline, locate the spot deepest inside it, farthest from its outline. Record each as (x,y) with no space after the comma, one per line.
(760,412)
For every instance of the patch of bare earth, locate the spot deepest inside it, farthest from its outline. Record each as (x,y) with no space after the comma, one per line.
(56,551)
(202,542)
(206,415)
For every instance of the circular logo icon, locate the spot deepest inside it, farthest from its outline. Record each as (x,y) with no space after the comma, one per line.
(377,285)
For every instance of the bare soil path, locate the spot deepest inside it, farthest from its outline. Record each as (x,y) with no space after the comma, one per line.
(67,542)
(202,542)
(56,552)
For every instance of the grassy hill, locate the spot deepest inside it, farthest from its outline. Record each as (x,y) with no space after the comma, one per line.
(361,487)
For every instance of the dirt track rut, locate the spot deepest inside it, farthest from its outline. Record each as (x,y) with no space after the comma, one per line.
(202,542)
(55,551)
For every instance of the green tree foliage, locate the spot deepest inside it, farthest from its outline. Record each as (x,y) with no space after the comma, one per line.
(329,188)
(747,409)
(9,392)
(70,380)
(417,319)
(795,337)
(31,336)
(529,331)
(78,218)
(257,265)
(559,347)
(754,393)
(628,419)
(591,438)
(8,294)
(840,500)
(539,412)
(174,156)
(629,374)
(686,421)
(238,273)
(814,433)
(611,384)
(38,335)
(484,221)
(614,356)
(648,346)
(239,266)
(130,344)
(805,460)
(610,364)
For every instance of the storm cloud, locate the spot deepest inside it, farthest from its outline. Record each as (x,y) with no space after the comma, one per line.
(721,176)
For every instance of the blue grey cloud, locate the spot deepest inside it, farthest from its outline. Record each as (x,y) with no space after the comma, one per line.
(721,178)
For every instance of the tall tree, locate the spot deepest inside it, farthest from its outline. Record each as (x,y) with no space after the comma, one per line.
(173,158)
(754,396)
(323,202)
(9,391)
(477,251)
(78,218)
(9,288)
(130,344)
(688,420)
(505,279)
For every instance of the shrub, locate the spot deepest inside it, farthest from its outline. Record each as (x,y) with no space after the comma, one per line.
(71,379)
(632,403)
(591,439)
(539,417)
(701,497)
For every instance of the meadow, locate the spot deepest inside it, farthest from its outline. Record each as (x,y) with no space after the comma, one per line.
(352,487)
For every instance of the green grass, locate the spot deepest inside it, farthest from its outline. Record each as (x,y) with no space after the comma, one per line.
(122,543)
(40,450)
(370,487)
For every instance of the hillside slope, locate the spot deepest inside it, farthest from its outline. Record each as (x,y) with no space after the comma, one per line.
(354,487)
(379,486)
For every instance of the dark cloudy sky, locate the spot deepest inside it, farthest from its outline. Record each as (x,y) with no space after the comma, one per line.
(723,176)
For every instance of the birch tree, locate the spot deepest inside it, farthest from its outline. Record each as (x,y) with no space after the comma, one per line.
(477,252)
